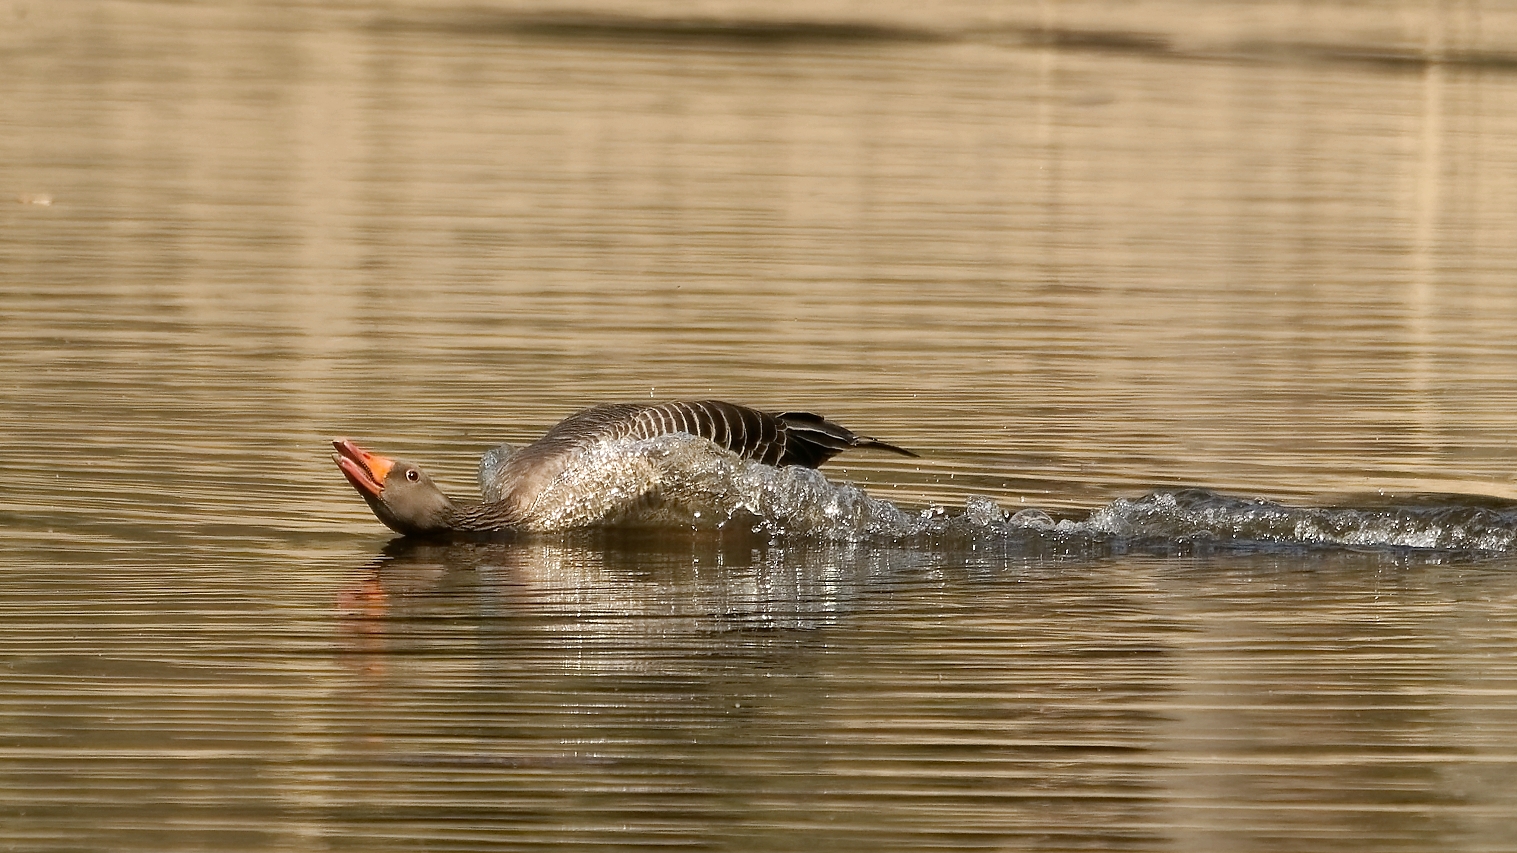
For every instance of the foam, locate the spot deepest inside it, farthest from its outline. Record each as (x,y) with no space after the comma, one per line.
(678,480)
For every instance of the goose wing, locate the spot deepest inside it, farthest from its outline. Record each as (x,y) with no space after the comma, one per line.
(773,438)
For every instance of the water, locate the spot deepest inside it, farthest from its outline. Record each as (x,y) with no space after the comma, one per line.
(1200,318)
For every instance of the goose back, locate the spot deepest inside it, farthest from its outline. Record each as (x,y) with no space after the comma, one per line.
(772,438)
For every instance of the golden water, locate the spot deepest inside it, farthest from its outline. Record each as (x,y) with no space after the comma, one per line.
(1069,253)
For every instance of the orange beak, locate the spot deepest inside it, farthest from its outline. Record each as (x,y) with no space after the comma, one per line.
(363,469)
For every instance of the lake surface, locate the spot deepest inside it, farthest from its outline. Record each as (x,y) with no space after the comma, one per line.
(1247,260)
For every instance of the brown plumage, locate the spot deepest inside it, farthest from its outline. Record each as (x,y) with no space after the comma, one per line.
(408,502)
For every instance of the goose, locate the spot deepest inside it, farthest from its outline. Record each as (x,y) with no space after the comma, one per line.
(407,500)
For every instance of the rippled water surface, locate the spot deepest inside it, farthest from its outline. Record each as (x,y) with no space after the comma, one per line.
(1200,317)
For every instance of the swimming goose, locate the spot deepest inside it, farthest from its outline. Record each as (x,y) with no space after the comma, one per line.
(408,502)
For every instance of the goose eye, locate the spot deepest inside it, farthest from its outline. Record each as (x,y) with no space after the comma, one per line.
(412,475)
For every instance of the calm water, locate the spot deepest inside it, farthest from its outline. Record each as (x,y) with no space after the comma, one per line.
(1071,254)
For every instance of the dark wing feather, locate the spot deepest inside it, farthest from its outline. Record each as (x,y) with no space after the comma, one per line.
(812,439)
(773,438)
(511,482)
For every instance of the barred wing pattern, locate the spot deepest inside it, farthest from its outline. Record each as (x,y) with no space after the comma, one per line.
(773,438)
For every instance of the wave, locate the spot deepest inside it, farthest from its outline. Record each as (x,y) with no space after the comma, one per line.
(683,482)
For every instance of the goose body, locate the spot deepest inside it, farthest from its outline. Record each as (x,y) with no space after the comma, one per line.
(511,480)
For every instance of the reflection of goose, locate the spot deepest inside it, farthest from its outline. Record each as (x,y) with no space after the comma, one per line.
(408,502)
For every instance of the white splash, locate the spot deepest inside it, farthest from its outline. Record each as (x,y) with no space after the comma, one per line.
(678,480)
